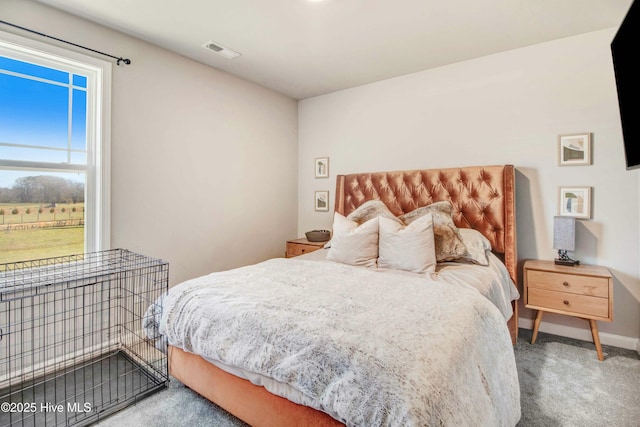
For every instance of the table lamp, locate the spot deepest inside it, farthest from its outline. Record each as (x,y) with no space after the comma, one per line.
(564,239)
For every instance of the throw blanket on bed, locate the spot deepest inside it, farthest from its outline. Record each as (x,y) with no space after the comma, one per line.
(369,348)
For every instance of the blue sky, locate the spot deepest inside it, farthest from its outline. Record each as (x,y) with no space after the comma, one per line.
(36,113)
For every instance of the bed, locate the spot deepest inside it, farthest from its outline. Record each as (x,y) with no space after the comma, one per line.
(351,349)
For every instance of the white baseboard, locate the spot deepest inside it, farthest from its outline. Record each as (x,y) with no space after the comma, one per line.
(583,334)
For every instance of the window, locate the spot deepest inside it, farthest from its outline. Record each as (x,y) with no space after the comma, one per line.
(54,151)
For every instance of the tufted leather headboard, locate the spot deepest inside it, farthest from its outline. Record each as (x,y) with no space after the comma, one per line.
(483,198)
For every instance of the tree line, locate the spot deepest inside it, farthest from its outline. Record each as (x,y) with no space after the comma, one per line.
(43,189)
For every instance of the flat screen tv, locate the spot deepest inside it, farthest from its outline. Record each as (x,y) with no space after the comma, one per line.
(625,50)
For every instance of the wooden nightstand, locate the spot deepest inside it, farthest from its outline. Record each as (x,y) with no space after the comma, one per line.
(302,246)
(584,291)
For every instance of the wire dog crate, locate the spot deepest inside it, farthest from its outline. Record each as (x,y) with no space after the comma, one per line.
(72,345)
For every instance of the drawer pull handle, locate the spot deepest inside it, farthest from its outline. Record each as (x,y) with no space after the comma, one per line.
(565,302)
(565,283)
(303,250)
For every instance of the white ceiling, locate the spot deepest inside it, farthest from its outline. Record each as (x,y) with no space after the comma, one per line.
(304,48)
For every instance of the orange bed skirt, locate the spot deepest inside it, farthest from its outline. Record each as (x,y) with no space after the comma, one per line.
(251,403)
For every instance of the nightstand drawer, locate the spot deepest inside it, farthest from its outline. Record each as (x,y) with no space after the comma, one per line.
(294,249)
(571,283)
(568,302)
(302,246)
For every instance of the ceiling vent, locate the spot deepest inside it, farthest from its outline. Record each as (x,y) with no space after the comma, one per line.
(221,50)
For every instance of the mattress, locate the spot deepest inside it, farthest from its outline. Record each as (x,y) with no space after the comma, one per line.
(368,347)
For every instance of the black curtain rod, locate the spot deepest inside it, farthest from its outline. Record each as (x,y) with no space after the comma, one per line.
(118,59)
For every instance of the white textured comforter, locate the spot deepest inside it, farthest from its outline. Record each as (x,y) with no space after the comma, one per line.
(366,347)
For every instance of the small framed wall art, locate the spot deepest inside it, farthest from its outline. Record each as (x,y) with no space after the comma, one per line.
(322,201)
(575,202)
(574,150)
(322,167)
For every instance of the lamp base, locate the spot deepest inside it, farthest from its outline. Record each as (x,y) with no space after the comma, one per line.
(567,262)
(564,259)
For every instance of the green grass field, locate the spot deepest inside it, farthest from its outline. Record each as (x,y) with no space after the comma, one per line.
(35,243)
(28,213)
(21,245)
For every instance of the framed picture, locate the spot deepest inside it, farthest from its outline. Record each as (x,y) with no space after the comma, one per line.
(322,201)
(575,201)
(574,150)
(322,167)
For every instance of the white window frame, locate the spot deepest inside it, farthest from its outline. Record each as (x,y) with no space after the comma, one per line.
(98,172)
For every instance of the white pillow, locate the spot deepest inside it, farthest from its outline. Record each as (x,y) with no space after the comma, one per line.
(352,243)
(477,246)
(411,248)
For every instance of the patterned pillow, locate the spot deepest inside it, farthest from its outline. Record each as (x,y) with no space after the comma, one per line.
(449,244)
(372,209)
(477,246)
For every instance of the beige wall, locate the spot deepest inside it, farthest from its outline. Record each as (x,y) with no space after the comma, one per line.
(504,108)
(204,164)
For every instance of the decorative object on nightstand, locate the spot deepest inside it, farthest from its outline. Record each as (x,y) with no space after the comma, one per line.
(301,246)
(318,235)
(584,291)
(564,239)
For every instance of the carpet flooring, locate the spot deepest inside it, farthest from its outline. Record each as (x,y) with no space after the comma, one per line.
(562,383)
(561,380)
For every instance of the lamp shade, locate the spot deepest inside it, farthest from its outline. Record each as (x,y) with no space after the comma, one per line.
(564,233)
